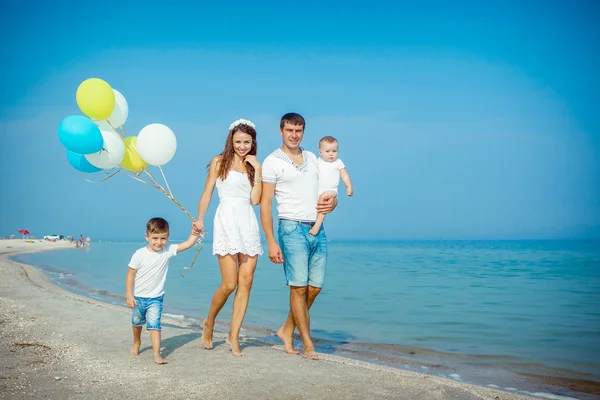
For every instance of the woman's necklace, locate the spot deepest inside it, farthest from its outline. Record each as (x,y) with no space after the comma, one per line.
(238,167)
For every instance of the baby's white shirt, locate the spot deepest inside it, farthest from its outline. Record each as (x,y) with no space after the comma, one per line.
(329,174)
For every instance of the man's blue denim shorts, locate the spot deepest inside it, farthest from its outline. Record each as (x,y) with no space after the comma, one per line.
(304,255)
(148,311)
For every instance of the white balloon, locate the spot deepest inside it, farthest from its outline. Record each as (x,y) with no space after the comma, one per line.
(156,144)
(121,111)
(112,152)
(103,125)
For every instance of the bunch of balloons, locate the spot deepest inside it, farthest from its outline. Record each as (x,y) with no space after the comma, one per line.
(94,143)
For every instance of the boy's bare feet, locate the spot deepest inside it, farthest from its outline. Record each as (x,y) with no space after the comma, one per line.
(135,349)
(207,335)
(159,360)
(310,354)
(235,346)
(288,342)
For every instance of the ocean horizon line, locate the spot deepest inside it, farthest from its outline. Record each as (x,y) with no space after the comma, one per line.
(386,240)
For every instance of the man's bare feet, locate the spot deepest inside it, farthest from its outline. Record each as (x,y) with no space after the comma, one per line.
(288,342)
(235,346)
(310,354)
(207,335)
(135,349)
(159,360)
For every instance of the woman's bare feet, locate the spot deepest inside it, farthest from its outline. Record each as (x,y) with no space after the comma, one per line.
(235,346)
(310,354)
(135,349)
(159,360)
(288,342)
(207,335)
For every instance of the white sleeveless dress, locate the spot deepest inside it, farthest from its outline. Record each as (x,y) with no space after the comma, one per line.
(235,225)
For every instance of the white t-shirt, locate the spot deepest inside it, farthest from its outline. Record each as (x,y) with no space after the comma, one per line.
(296,186)
(329,175)
(152,270)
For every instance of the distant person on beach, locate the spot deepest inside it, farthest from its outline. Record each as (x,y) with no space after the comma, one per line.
(237,175)
(331,169)
(81,240)
(146,280)
(290,174)
(88,241)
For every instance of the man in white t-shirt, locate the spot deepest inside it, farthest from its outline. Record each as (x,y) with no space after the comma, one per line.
(290,175)
(146,281)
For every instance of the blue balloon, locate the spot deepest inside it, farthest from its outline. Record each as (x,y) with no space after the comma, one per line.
(80,135)
(80,163)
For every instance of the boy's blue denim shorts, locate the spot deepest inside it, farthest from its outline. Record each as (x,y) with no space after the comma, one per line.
(304,255)
(148,311)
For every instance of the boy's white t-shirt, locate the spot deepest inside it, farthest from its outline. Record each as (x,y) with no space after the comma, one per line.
(151,270)
(329,174)
(296,186)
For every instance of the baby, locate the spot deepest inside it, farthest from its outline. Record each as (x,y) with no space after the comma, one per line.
(331,169)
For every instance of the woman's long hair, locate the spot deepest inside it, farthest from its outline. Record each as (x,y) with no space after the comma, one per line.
(226,161)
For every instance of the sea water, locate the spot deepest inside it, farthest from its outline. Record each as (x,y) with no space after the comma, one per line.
(521,306)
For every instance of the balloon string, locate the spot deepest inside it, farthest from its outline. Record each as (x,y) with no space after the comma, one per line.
(156,185)
(131,150)
(165,179)
(198,250)
(105,179)
(115,129)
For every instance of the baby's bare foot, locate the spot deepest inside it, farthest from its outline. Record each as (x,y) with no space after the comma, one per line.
(288,342)
(207,335)
(135,349)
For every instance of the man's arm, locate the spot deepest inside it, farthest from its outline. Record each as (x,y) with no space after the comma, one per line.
(346,179)
(266,219)
(129,287)
(326,205)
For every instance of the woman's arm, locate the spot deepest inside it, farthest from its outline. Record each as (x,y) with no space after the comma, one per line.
(256,192)
(209,187)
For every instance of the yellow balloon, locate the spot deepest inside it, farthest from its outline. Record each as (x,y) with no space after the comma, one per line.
(96,98)
(132,160)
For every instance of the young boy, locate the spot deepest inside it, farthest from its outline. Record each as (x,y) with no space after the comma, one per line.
(146,279)
(330,168)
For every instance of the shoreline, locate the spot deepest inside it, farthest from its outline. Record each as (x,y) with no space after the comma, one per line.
(35,292)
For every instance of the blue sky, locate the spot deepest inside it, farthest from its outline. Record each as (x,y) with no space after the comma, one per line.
(456,121)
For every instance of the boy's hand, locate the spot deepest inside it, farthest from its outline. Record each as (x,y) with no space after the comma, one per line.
(131,302)
(349,192)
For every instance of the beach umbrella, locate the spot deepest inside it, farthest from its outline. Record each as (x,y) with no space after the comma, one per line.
(24,232)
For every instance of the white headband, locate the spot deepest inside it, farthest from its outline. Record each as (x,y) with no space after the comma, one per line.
(241,122)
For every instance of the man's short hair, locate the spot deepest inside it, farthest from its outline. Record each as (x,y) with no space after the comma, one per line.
(293,119)
(327,139)
(157,225)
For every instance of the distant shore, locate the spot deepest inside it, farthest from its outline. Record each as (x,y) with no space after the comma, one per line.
(61,345)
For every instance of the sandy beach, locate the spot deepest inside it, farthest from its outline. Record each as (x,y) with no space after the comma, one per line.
(57,345)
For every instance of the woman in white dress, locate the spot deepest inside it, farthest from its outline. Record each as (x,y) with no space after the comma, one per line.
(237,174)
